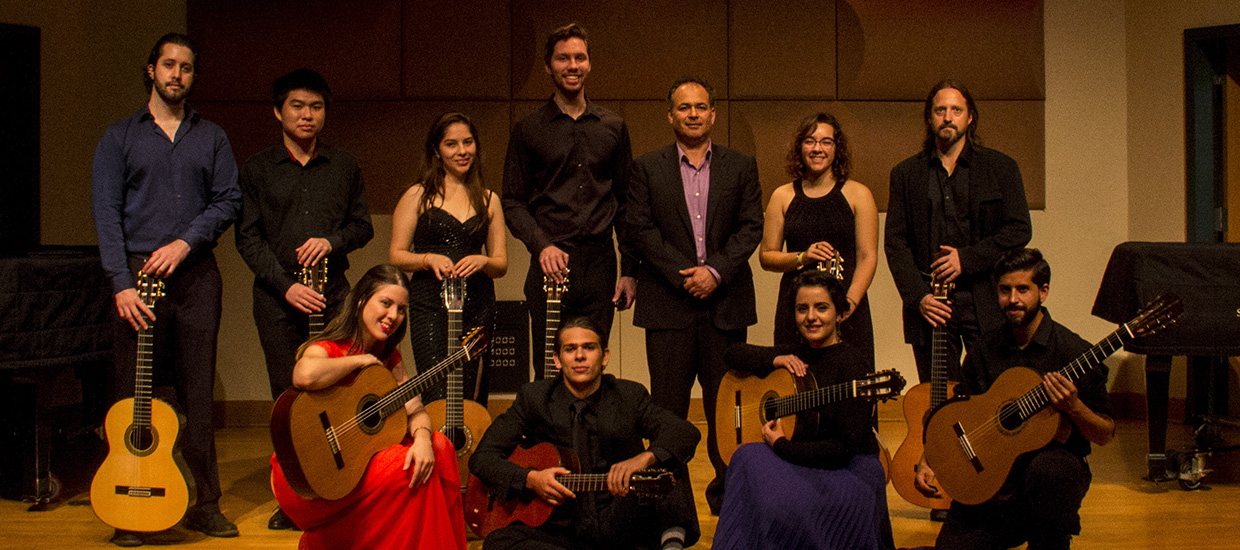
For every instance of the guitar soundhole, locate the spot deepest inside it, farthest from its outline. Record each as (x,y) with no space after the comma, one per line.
(141,441)
(1010,419)
(370,418)
(768,407)
(461,439)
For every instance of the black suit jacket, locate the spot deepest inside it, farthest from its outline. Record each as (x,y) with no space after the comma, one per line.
(660,231)
(999,222)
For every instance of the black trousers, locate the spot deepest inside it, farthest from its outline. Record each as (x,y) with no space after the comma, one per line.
(591,284)
(1042,506)
(186,330)
(282,328)
(962,333)
(678,357)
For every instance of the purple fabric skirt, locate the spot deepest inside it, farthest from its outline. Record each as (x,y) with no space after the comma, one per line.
(773,504)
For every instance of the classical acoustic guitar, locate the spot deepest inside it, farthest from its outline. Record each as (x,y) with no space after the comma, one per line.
(972,442)
(324,438)
(315,277)
(746,402)
(555,292)
(463,421)
(484,514)
(918,402)
(143,484)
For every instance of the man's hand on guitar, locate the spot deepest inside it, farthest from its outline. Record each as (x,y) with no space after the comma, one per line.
(791,362)
(924,480)
(165,259)
(130,307)
(305,300)
(420,459)
(935,312)
(946,266)
(772,431)
(1062,392)
(618,476)
(313,250)
(553,261)
(543,483)
(626,293)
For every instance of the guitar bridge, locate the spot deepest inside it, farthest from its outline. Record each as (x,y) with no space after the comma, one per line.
(332,444)
(963,439)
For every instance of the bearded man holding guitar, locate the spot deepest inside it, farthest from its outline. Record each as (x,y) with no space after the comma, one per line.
(604,420)
(1041,498)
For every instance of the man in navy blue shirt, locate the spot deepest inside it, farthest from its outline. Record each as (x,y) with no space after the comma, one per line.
(163,189)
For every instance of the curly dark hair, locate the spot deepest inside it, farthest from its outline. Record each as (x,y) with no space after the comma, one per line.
(840,167)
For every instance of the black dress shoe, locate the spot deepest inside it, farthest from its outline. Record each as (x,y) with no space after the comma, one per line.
(280,521)
(209,522)
(126,539)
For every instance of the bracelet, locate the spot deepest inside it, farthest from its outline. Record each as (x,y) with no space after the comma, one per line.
(801,259)
(415,431)
(425,264)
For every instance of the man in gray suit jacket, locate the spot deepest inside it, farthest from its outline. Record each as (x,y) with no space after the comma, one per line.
(694,217)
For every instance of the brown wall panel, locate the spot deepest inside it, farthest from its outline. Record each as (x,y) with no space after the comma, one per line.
(637,48)
(898,50)
(781,50)
(246,45)
(1018,129)
(457,49)
(649,128)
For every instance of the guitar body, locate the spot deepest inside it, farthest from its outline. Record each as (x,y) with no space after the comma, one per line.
(464,438)
(311,466)
(483,514)
(995,445)
(142,486)
(749,392)
(916,403)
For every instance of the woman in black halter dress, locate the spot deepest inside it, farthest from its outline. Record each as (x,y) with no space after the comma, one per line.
(449,224)
(819,214)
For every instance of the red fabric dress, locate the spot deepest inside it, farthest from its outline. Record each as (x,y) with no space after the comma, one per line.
(382,512)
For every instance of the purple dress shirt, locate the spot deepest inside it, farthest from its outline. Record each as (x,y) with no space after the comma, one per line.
(696,180)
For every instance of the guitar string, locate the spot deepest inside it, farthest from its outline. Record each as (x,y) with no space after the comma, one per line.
(791,404)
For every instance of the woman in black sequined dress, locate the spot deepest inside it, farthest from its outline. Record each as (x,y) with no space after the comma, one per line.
(449,224)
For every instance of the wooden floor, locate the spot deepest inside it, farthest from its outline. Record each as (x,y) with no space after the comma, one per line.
(1121,511)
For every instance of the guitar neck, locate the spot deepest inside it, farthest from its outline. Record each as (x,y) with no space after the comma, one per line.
(316,324)
(143,376)
(803,401)
(595,482)
(395,400)
(938,366)
(553,325)
(454,416)
(1037,398)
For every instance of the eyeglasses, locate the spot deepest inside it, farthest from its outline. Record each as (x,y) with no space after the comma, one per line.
(809,142)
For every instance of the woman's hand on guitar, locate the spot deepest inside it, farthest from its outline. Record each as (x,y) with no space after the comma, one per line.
(924,480)
(618,476)
(772,431)
(821,251)
(543,483)
(793,363)
(469,265)
(420,460)
(438,264)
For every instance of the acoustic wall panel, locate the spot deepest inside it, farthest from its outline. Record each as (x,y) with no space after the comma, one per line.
(246,45)
(637,48)
(457,49)
(898,50)
(781,50)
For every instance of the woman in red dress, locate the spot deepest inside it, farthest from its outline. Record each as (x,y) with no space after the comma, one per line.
(410,496)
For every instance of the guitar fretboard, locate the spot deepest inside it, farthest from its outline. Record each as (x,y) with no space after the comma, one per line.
(454,409)
(938,366)
(553,325)
(1037,398)
(789,405)
(598,482)
(142,376)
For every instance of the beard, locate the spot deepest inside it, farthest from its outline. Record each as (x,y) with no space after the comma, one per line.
(946,138)
(170,96)
(1020,316)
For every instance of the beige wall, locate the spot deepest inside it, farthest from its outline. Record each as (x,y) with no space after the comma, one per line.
(1114,159)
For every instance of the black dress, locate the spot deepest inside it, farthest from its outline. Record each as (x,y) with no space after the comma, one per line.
(810,220)
(439,232)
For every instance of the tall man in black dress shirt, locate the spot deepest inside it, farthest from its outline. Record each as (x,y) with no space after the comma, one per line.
(1041,500)
(604,420)
(302,201)
(565,178)
(954,209)
(695,218)
(163,189)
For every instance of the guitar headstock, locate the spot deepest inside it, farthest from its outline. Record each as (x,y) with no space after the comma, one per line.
(554,290)
(453,293)
(315,276)
(1157,315)
(475,342)
(834,267)
(150,289)
(651,482)
(881,385)
(941,290)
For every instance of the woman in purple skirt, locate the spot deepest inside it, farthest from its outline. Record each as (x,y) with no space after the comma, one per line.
(822,488)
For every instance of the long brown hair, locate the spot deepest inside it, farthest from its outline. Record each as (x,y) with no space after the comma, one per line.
(433,170)
(347,324)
